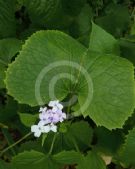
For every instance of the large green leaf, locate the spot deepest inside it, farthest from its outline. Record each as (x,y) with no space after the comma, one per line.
(62,48)
(128,150)
(103,84)
(103,42)
(91,161)
(7,19)
(34,159)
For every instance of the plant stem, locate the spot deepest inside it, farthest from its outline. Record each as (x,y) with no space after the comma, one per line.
(52,145)
(9,139)
(11,146)
(75,144)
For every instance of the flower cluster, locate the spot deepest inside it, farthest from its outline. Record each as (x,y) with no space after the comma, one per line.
(49,117)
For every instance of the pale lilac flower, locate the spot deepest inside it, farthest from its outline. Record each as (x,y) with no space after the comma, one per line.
(52,117)
(49,118)
(55,105)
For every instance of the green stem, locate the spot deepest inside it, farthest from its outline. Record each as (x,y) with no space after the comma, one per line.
(11,146)
(9,139)
(52,145)
(75,144)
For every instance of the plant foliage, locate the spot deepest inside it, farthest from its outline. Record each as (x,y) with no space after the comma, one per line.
(82,53)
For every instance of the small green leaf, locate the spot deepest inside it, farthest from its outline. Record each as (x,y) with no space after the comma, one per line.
(81,26)
(7,19)
(31,145)
(41,13)
(8,48)
(8,111)
(68,157)
(127,49)
(28,119)
(116,20)
(127,153)
(73,8)
(102,42)
(108,141)
(78,129)
(34,159)
(91,161)
(4,165)
(2,76)
(71,139)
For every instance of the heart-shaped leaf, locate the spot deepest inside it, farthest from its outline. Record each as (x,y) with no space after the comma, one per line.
(53,65)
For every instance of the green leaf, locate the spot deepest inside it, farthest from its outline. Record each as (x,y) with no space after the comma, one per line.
(8,48)
(127,49)
(60,41)
(71,139)
(28,119)
(41,12)
(68,157)
(128,150)
(116,20)
(108,141)
(34,159)
(73,7)
(105,91)
(7,19)
(4,165)
(31,145)
(81,26)
(92,161)
(48,13)
(103,42)
(78,129)
(2,76)
(8,111)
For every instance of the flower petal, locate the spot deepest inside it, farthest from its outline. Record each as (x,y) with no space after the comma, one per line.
(53,128)
(46,129)
(34,128)
(37,133)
